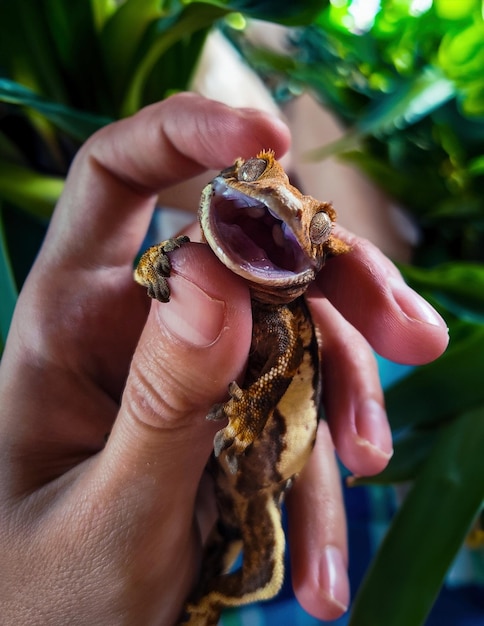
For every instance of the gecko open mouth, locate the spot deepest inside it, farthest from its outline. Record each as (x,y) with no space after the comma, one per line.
(249,234)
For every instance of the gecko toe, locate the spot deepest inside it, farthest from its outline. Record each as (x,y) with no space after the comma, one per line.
(221,442)
(216,413)
(159,291)
(163,266)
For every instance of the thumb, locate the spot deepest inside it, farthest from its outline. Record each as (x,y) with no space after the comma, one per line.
(189,351)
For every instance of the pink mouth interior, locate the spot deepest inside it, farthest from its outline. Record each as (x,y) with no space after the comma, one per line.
(252,236)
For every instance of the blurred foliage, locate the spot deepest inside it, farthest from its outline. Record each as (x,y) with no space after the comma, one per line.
(405,78)
(409,87)
(67,69)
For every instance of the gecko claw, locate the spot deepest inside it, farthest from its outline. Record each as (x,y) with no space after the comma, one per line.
(216,413)
(221,442)
(235,391)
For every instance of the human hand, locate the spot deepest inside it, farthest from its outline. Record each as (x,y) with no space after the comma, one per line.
(104,533)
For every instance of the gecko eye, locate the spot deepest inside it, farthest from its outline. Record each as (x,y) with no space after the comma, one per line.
(251,170)
(320,228)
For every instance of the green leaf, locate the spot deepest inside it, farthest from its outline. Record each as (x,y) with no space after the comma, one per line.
(66,23)
(461,56)
(27,52)
(70,26)
(34,193)
(164,33)
(102,11)
(121,39)
(410,451)
(412,101)
(289,13)
(461,53)
(428,530)
(461,281)
(78,124)
(452,10)
(174,70)
(473,100)
(8,288)
(476,166)
(441,390)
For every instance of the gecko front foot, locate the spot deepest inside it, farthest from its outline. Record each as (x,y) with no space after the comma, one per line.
(154,268)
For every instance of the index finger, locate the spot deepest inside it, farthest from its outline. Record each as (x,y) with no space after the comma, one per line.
(110,192)
(367,288)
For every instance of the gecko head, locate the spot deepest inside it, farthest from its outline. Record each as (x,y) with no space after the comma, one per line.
(264,229)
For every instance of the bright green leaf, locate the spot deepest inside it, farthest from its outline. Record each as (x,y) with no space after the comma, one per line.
(121,39)
(476,166)
(456,9)
(29,190)
(424,537)
(166,33)
(473,99)
(102,10)
(461,54)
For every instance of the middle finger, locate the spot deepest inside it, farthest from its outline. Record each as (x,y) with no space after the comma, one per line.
(353,397)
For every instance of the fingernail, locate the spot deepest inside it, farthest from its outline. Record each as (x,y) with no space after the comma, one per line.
(413,305)
(192,315)
(372,426)
(333,577)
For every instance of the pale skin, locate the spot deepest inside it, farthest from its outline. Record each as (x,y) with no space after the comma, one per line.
(110,533)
